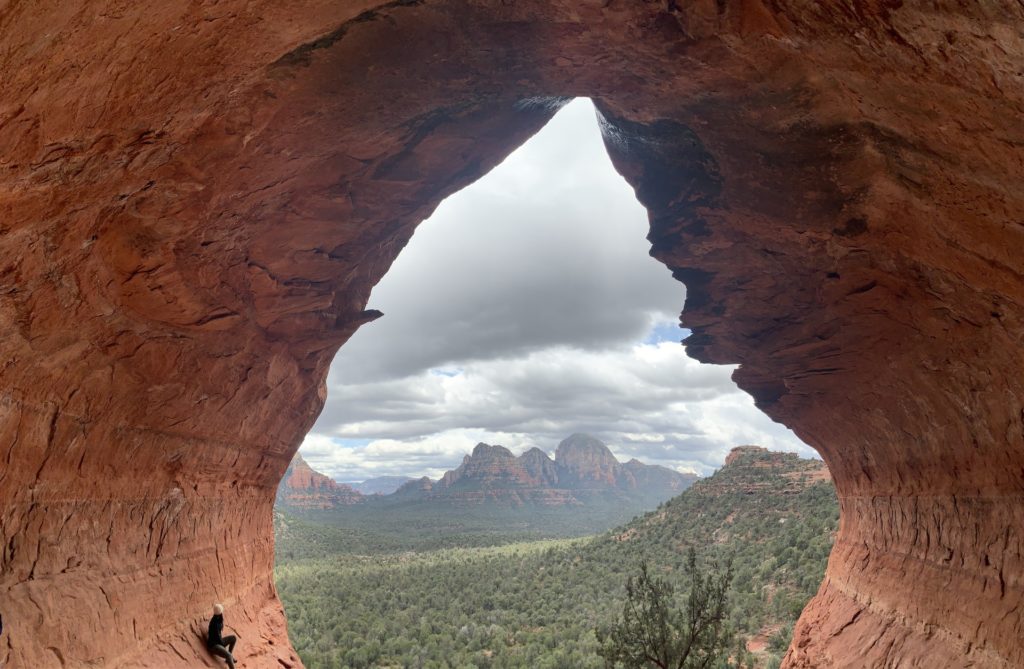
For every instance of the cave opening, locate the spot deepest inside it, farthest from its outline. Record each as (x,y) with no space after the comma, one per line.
(526,308)
(197,202)
(526,287)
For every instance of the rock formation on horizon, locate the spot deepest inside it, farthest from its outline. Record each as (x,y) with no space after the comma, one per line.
(302,487)
(775,467)
(196,200)
(583,469)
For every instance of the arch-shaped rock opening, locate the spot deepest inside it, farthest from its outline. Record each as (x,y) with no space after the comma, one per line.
(527,308)
(198,199)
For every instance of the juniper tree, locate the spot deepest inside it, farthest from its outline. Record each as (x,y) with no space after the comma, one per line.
(654,632)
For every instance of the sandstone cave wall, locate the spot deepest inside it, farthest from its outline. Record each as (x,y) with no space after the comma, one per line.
(196,198)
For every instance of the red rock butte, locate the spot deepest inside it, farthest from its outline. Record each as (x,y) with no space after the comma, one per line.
(196,198)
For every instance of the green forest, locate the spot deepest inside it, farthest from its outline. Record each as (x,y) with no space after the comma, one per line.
(405,600)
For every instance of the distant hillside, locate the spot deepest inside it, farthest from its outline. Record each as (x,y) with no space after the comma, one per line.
(305,488)
(536,604)
(583,469)
(381,485)
(759,500)
(775,514)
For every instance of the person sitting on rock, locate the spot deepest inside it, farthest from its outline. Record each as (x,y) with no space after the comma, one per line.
(221,646)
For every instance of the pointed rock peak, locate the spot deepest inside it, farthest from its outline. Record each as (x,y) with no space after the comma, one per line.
(535,454)
(304,487)
(299,467)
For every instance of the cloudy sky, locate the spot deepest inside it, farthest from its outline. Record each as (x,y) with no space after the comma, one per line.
(525,309)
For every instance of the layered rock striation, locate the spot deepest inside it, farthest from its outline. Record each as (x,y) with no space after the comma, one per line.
(196,198)
(753,470)
(305,488)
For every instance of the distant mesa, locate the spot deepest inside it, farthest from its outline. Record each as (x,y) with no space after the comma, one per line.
(751,470)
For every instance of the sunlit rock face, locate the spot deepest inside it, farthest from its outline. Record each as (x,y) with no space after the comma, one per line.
(305,488)
(195,200)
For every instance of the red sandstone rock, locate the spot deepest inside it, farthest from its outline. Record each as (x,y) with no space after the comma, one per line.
(305,488)
(486,467)
(742,452)
(583,469)
(492,474)
(195,200)
(586,462)
(539,469)
(745,464)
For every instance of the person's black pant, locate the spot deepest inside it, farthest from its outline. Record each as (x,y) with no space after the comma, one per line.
(225,648)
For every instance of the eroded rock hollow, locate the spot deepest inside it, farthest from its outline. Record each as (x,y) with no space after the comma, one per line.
(196,198)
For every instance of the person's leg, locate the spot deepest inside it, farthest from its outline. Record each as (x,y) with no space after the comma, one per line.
(221,651)
(229,642)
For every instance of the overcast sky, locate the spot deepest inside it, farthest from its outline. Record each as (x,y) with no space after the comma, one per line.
(525,309)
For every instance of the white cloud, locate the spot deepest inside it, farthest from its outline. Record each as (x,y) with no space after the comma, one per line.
(647,401)
(548,249)
(515,316)
(431,455)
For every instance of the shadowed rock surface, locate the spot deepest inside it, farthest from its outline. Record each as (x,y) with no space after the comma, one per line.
(196,198)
